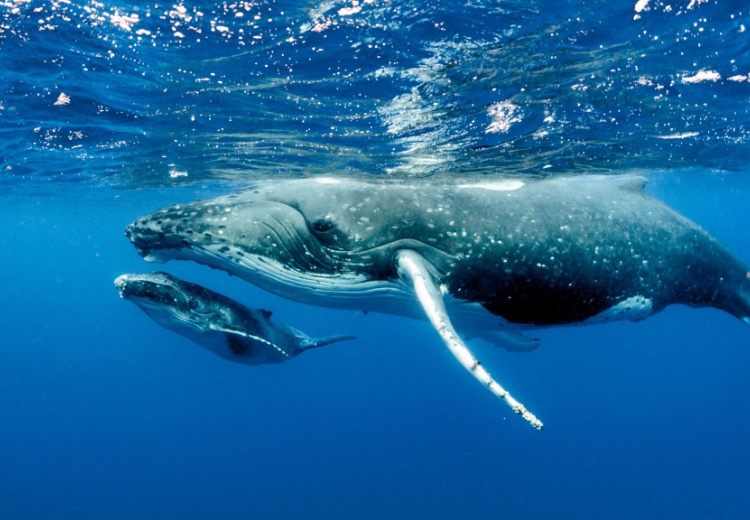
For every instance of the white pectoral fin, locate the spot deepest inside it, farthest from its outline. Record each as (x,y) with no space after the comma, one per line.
(415,270)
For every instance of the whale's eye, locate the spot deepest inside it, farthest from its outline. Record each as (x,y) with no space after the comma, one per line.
(322,225)
(327,232)
(193,303)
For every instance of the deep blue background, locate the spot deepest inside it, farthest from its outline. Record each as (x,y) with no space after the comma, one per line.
(105,414)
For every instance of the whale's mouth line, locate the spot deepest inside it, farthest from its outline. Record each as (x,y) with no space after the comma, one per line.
(150,291)
(311,256)
(165,301)
(341,289)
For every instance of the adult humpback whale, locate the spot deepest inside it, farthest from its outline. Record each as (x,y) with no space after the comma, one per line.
(220,324)
(489,257)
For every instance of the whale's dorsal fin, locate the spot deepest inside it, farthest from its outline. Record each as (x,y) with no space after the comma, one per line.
(636,184)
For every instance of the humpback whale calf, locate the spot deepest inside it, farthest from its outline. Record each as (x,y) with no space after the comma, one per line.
(220,324)
(489,258)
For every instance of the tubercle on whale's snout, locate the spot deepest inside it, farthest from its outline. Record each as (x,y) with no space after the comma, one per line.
(120,284)
(152,242)
(136,238)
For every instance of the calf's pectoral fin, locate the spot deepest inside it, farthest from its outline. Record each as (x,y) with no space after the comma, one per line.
(416,271)
(238,347)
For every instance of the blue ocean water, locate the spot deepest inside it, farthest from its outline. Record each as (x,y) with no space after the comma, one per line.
(110,110)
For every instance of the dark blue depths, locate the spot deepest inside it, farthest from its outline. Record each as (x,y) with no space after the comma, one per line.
(103,413)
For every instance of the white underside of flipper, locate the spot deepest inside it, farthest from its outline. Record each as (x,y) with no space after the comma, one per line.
(416,271)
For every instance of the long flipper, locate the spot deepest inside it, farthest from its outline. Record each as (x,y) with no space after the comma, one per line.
(415,269)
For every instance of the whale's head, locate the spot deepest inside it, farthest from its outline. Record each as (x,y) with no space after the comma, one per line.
(171,302)
(321,236)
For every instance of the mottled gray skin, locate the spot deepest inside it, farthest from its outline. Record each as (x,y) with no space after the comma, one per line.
(220,324)
(550,252)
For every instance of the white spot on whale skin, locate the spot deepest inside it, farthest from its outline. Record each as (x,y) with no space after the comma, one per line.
(634,308)
(327,180)
(507,185)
